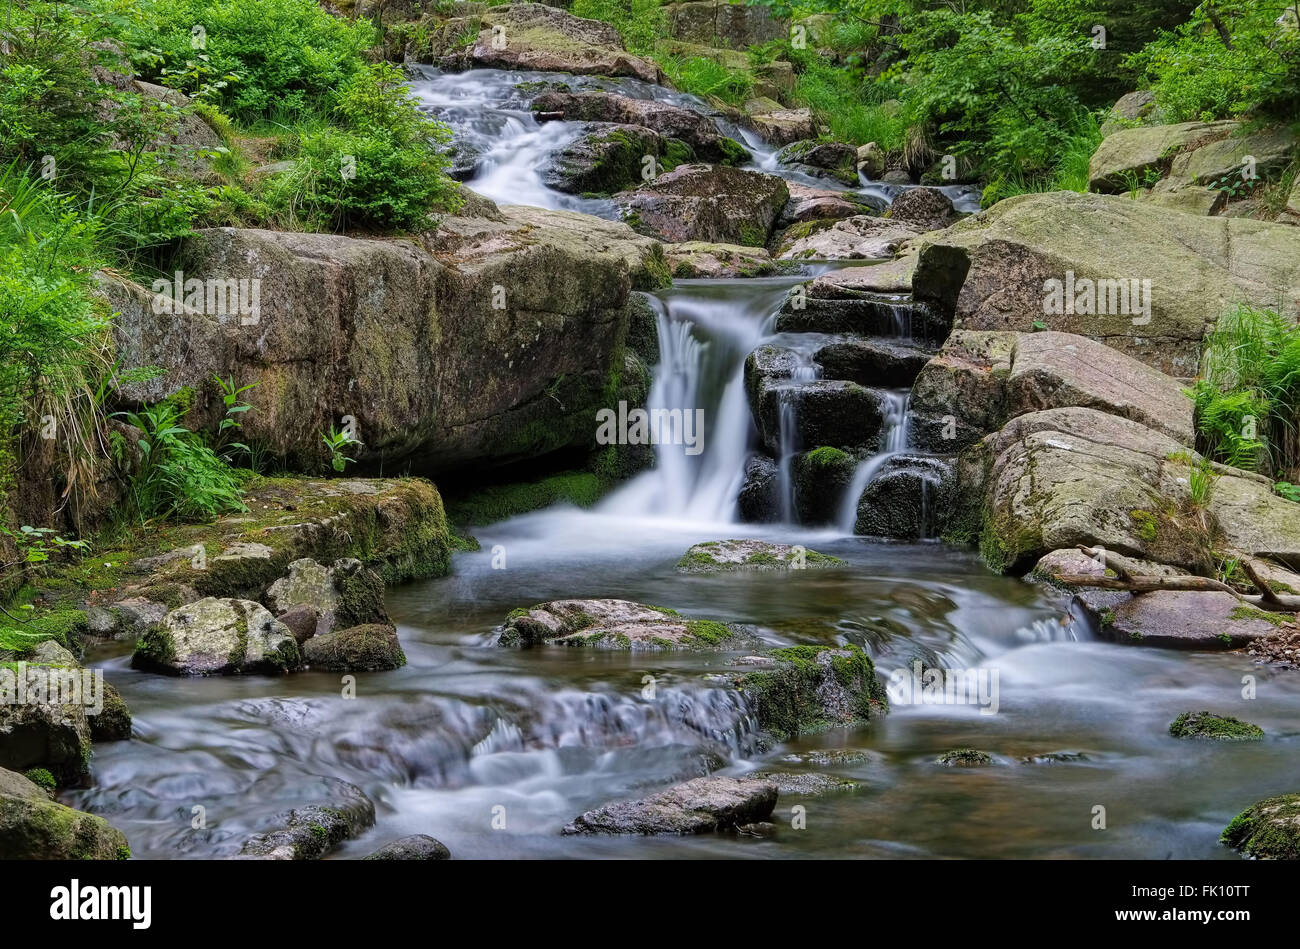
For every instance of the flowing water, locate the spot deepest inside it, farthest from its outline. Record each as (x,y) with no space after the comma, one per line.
(493,750)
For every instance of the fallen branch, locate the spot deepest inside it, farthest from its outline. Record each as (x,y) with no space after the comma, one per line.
(1124,580)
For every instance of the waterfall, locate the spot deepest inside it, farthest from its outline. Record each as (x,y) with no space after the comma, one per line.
(788,423)
(893,441)
(706,328)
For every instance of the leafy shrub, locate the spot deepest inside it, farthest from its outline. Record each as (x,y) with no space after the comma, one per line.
(1229,58)
(252,58)
(378,168)
(178,474)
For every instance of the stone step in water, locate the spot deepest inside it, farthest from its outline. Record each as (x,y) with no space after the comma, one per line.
(900,501)
(889,315)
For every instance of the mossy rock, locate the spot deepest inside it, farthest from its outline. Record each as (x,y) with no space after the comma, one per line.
(113,721)
(33,827)
(965,758)
(1214,727)
(724,555)
(370,647)
(799,690)
(1268,830)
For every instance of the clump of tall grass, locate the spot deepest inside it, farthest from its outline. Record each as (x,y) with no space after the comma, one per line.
(1069,174)
(1247,397)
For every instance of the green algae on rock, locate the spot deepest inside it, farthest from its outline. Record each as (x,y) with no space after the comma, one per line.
(803,689)
(964,758)
(1267,830)
(717,555)
(1215,727)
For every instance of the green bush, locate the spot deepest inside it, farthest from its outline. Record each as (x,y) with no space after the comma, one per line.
(378,168)
(641,23)
(253,57)
(1230,58)
(178,474)
(708,78)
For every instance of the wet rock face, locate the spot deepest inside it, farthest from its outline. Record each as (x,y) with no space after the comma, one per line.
(824,412)
(901,500)
(826,309)
(759,501)
(821,478)
(44,735)
(613,624)
(308,833)
(886,363)
(1268,830)
(711,203)
(605,158)
(216,636)
(415,847)
(700,806)
(822,159)
(671,122)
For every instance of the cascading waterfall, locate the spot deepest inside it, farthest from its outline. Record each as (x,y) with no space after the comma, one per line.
(893,441)
(706,329)
(787,418)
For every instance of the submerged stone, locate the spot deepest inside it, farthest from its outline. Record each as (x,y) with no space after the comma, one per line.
(965,758)
(699,806)
(613,624)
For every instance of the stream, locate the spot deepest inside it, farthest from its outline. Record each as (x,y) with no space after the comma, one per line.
(468,736)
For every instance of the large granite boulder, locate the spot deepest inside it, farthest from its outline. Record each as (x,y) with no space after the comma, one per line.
(495,343)
(1008,268)
(980,379)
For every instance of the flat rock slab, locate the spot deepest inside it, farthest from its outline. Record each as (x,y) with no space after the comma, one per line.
(1196,620)
(854,238)
(714,556)
(613,624)
(700,806)
(808,782)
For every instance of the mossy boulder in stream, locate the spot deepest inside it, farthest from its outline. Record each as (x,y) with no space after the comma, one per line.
(218,637)
(1268,830)
(711,203)
(606,158)
(673,123)
(614,624)
(32,827)
(802,689)
(1215,727)
(42,734)
(713,556)
(965,758)
(369,647)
